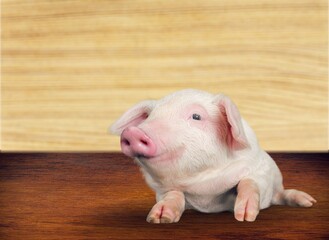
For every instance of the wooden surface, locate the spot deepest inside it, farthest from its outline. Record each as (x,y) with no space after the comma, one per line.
(103,196)
(70,68)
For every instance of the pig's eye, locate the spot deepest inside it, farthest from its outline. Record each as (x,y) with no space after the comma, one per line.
(196,116)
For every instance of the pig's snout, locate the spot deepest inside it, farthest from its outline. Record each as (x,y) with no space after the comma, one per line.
(135,143)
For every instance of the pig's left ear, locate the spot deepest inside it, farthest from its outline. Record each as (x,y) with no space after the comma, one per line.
(133,116)
(231,129)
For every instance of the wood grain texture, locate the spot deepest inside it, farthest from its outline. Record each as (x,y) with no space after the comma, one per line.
(70,68)
(103,196)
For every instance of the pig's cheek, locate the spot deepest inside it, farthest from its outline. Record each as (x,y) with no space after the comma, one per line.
(204,137)
(202,125)
(198,135)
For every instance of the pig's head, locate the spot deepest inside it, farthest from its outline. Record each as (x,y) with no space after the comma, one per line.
(187,131)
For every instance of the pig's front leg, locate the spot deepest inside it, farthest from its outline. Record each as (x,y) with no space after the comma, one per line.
(247,201)
(168,209)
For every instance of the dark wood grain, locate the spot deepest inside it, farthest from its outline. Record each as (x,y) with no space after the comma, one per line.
(103,196)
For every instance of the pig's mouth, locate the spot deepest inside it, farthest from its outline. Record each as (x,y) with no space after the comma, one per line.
(142,156)
(163,157)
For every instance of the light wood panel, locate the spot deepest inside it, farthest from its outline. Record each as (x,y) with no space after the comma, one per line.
(70,68)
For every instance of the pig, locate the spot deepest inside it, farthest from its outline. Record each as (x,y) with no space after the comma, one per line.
(197,152)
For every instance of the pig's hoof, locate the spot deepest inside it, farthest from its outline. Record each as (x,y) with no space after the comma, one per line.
(247,205)
(161,213)
(246,211)
(298,198)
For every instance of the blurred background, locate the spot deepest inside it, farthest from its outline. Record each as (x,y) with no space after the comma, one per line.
(71,68)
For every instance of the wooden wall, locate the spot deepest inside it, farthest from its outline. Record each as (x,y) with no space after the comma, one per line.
(70,68)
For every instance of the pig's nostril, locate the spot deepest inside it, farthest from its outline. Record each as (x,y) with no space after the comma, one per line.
(135,143)
(126,142)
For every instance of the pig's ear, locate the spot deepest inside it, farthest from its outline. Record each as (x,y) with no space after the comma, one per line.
(231,129)
(133,116)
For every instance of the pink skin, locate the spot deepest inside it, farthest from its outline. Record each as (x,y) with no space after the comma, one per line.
(135,143)
(158,133)
(195,108)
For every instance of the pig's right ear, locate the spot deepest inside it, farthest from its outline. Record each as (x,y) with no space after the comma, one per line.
(133,116)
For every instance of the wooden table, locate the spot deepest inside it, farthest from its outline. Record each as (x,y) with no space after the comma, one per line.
(103,196)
